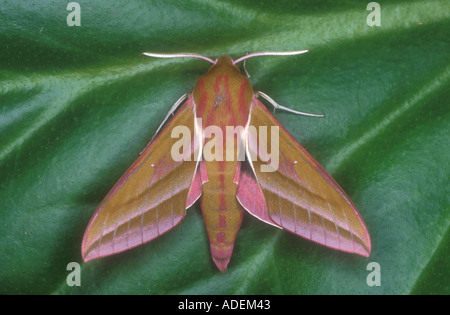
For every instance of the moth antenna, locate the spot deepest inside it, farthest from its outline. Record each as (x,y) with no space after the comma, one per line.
(180,55)
(287,109)
(270,53)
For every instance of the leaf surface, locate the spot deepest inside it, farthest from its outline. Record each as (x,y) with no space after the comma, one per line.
(78,104)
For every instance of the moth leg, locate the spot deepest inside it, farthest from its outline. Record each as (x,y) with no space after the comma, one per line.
(171,112)
(278,106)
(245,69)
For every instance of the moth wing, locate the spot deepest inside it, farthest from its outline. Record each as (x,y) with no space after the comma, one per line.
(249,193)
(300,196)
(150,198)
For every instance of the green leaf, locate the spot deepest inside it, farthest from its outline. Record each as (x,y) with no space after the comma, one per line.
(78,104)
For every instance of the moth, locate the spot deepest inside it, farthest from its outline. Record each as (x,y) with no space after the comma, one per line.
(215,149)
